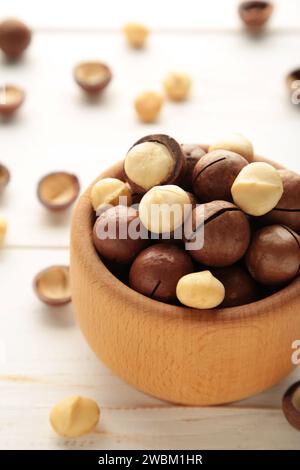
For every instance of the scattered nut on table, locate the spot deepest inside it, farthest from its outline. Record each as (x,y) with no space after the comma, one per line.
(15,37)
(255,13)
(11,99)
(4,176)
(136,34)
(257,189)
(235,143)
(74,416)
(177,86)
(58,190)
(110,192)
(52,285)
(293,84)
(92,77)
(3,230)
(291,405)
(148,106)
(200,290)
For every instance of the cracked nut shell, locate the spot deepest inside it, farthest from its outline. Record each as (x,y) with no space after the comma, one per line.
(15,37)
(11,99)
(215,173)
(273,257)
(226,233)
(291,405)
(193,153)
(52,285)
(240,288)
(255,13)
(92,77)
(58,190)
(156,271)
(4,177)
(154,160)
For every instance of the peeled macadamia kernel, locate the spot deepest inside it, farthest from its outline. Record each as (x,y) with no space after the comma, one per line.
(107,192)
(3,230)
(11,99)
(156,271)
(177,86)
(154,160)
(148,106)
(57,191)
(148,164)
(92,77)
(164,208)
(15,37)
(52,285)
(257,189)
(200,290)
(235,143)
(136,34)
(74,416)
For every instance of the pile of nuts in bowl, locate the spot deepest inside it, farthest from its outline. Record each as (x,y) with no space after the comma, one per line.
(198,226)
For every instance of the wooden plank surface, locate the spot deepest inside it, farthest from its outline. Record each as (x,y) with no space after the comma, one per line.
(238,86)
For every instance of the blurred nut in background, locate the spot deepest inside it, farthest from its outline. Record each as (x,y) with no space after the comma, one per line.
(235,143)
(255,13)
(136,34)
(74,416)
(3,230)
(148,106)
(293,84)
(257,188)
(57,191)
(4,177)
(52,285)
(92,77)
(177,86)
(15,37)
(11,99)
(107,192)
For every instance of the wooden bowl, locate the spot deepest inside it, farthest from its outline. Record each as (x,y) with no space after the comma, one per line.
(186,356)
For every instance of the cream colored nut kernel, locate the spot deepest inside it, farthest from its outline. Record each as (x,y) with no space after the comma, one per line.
(200,290)
(148,106)
(148,164)
(257,188)
(136,34)
(3,230)
(236,143)
(177,86)
(74,416)
(108,191)
(164,208)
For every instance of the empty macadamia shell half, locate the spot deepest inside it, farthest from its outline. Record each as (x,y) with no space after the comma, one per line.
(92,77)
(152,161)
(255,13)
(4,176)
(11,99)
(57,191)
(291,405)
(15,37)
(52,285)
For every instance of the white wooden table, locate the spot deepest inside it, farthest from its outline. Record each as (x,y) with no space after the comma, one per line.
(238,86)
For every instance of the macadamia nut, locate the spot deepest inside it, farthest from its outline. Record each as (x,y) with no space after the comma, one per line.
(257,188)
(74,416)
(3,230)
(235,143)
(164,208)
(200,290)
(148,164)
(136,34)
(177,86)
(107,192)
(148,106)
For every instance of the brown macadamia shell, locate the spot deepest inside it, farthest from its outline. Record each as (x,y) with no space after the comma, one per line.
(15,37)
(58,190)
(52,285)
